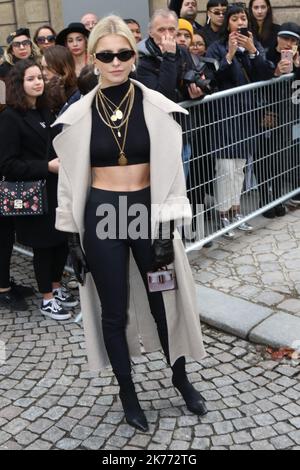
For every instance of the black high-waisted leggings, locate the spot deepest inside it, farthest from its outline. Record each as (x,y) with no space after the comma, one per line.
(109,262)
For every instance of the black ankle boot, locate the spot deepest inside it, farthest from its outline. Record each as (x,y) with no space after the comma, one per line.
(134,414)
(193,399)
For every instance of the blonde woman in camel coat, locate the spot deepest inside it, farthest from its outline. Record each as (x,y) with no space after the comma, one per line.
(168,202)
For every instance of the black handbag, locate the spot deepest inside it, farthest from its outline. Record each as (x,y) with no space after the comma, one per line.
(23,198)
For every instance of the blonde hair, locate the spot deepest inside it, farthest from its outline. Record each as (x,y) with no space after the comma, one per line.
(10,58)
(110,25)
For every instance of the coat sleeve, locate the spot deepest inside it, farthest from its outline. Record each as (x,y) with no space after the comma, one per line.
(64,214)
(12,165)
(263,69)
(216,51)
(177,206)
(163,80)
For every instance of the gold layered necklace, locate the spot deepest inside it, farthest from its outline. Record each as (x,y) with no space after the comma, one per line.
(117,114)
(114,115)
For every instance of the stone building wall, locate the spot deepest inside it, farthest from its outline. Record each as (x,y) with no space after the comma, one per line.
(34,13)
(31,13)
(285,10)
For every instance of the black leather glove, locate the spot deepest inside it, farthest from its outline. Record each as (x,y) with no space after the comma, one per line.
(78,258)
(163,249)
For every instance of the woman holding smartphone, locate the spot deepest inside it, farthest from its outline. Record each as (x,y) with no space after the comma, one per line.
(285,53)
(242,61)
(272,168)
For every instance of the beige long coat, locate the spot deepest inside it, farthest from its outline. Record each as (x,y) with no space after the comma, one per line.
(169,202)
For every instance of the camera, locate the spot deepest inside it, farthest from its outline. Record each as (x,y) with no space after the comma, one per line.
(207,67)
(195,77)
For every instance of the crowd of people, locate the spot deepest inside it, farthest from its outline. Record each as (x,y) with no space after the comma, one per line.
(97,89)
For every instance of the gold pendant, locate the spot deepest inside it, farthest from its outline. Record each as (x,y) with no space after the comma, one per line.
(119,115)
(123,160)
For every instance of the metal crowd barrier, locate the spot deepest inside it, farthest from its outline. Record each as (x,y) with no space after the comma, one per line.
(241,148)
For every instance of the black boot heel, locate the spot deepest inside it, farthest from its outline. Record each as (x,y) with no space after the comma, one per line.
(194,401)
(134,414)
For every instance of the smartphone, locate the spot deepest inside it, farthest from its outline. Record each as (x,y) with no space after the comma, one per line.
(244,32)
(289,56)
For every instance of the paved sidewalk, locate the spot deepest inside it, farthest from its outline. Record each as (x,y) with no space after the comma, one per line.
(251,286)
(49,399)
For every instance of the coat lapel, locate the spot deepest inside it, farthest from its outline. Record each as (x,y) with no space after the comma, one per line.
(167,185)
(40,126)
(159,120)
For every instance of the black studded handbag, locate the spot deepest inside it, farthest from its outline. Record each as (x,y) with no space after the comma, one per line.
(23,198)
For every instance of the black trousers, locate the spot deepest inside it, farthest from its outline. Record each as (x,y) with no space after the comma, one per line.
(7,239)
(271,167)
(108,260)
(49,266)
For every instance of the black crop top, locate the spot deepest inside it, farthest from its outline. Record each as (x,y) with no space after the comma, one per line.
(104,149)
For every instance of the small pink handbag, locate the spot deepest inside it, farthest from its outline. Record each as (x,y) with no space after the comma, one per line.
(162,281)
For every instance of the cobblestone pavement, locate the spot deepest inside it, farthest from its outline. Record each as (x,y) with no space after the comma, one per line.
(49,400)
(262,267)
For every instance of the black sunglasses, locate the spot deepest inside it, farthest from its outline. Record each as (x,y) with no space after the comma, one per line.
(18,44)
(43,39)
(218,12)
(108,57)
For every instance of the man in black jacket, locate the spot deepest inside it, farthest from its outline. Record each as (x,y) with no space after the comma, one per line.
(163,63)
(162,66)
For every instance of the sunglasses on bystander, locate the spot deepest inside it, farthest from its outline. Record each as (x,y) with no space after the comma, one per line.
(43,39)
(18,44)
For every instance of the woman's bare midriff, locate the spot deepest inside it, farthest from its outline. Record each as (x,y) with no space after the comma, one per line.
(123,179)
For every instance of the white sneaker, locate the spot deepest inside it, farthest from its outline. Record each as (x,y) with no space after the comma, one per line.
(244,227)
(54,310)
(64,298)
(224,223)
